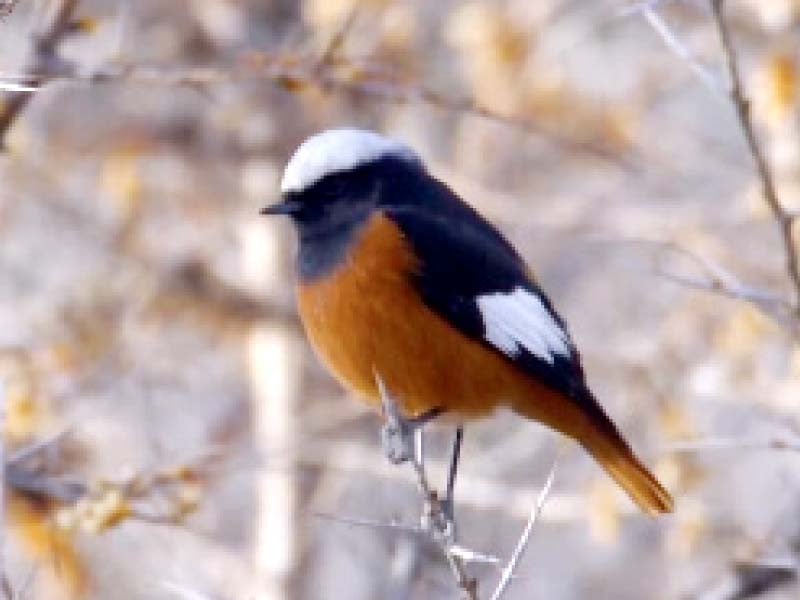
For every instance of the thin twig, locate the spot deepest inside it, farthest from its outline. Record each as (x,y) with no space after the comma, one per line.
(7,7)
(346,77)
(522,544)
(5,586)
(360,522)
(784,218)
(338,38)
(435,520)
(181,591)
(715,278)
(729,443)
(13,86)
(42,65)
(44,445)
(671,40)
(752,579)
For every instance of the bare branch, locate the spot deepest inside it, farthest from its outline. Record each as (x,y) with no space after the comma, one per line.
(181,591)
(5,586)
(784,218)
(522,544)
(339,37)
(751,579)
(729,443)
(344,76)
(38,447)
(439,525)
(7,7)
(42,65)
(12,86)
(649,12)
(359,522)
(465,554)
(473,556)
(715,278)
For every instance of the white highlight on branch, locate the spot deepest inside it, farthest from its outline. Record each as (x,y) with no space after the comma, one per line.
(338,150)
(518,320)
(180,591)
(648,11)
(11,86)
(541,500)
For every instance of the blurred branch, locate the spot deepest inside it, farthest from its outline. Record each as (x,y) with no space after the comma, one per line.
(5,586)
(479,493)
(522,544)
(440,527)
(649,11)
(751,579)
(373,523)
(725,443)
(340,75)
(13,86)
(465,554)
(403,569)
(715,278)
(44,63)
(101,505)
(784,218)
(7,7)
(38,447)
(765,570)
(727,284)
(195,283)
(182,591)
(337,40)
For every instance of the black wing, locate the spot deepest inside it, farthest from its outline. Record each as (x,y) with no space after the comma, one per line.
(464,258)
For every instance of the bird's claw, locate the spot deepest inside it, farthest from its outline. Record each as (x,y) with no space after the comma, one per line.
(397,440)
(437,518)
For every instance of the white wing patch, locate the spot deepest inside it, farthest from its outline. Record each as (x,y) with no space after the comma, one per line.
(337,150)
(518,320)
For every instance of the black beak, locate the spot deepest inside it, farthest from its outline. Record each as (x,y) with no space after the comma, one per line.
(288,206)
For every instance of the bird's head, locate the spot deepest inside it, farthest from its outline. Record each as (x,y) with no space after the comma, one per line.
(340,175)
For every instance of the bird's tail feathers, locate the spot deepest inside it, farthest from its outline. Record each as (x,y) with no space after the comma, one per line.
(616,457)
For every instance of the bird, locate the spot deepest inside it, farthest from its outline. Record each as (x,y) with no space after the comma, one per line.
(402,284)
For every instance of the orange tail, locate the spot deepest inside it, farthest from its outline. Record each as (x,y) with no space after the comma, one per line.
(585,421)
(616,457)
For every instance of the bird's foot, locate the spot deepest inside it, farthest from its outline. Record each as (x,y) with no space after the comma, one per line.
(397,440)
(397,433)
(449,513)
(437,518)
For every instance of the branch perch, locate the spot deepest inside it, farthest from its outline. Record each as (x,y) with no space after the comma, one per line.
(435,520)
(784,218)
(43,64)
(522,544)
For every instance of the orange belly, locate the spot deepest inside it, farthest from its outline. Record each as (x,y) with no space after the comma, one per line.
(366,318)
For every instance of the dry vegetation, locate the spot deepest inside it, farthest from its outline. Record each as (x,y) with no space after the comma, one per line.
(168,433)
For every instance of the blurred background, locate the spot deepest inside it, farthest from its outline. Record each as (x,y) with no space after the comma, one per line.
(168,432)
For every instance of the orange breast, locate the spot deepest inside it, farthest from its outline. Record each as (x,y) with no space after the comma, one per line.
(366,317)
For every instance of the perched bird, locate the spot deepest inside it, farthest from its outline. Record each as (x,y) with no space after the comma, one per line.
(400,279)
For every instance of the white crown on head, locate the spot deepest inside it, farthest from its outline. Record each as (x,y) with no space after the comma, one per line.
(337,150)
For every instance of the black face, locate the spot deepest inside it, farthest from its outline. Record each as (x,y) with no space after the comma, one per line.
(329,214)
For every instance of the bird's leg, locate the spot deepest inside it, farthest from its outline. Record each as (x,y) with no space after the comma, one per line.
(448,504)
(434,518)
(397,433)
(403,441)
